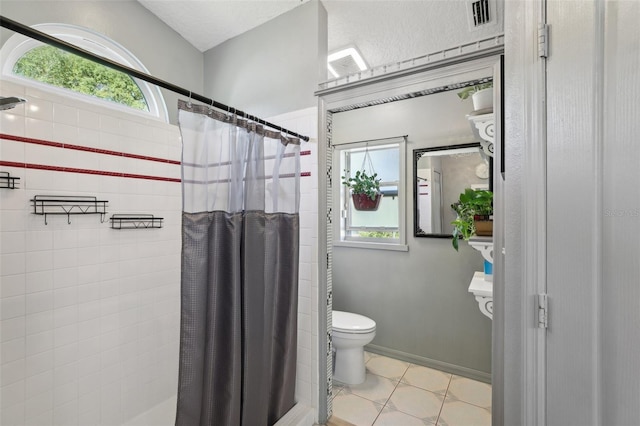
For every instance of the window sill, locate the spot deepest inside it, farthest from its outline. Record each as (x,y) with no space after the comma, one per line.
(370,245)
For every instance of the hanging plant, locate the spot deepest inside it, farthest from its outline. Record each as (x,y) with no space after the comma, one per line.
(365,187)
(365,190)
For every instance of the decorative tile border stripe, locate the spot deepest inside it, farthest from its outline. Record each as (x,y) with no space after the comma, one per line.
(96,172)
(85,171)
(95,150)
(86,149)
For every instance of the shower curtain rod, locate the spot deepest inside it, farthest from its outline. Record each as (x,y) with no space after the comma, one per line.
(61,44)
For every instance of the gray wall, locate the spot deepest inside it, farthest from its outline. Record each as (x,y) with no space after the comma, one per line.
(274,68)
(419,299)
(163,51)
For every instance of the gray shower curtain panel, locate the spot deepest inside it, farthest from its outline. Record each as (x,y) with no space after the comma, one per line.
(239,282)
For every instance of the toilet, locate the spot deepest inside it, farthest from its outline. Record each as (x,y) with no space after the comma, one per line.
(350,333)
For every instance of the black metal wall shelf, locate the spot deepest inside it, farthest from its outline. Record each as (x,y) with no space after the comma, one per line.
(7,181)
(66,204)
(135,221)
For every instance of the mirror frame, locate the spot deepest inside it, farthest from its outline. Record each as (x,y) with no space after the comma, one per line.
(417,155)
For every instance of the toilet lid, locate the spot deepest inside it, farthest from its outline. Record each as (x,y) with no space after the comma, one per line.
(352,323)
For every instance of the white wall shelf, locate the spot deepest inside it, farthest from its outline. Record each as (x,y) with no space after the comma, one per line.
(481,287)
(483,126)
(483,291)
(484,245)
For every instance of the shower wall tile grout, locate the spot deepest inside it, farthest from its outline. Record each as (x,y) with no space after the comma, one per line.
(305,122)
(89,316)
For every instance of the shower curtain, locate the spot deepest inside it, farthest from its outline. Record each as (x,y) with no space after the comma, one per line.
(239,302)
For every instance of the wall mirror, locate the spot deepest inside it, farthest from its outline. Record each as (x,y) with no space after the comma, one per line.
(439,176)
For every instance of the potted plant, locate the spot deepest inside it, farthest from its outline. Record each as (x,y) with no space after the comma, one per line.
(475,215)
(481,95)
(365,190)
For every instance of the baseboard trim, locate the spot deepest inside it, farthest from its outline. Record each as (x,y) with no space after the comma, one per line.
(431,363)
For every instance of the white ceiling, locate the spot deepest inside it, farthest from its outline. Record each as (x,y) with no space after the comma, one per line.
(384,31)
(206,24)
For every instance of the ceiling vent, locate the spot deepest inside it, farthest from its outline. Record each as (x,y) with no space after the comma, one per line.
(344,62)
(481,13)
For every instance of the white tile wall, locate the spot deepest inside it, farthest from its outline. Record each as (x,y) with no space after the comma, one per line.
(89,316)
(305,122)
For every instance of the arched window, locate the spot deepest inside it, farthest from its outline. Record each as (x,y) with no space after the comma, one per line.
(49,68)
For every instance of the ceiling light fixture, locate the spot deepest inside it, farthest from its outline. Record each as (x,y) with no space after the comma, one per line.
(345,61)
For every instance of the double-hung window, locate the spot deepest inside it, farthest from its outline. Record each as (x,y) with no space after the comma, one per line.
(381,228)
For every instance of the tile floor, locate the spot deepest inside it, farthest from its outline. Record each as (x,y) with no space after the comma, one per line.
(397,393)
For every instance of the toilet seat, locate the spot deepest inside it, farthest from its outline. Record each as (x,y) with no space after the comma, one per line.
(350,323)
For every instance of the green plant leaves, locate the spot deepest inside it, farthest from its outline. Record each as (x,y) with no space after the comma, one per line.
(471,203)
(362,183)
(56,67)
(470,90)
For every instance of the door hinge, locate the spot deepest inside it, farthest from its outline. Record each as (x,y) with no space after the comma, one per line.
(542,303)
(543,40)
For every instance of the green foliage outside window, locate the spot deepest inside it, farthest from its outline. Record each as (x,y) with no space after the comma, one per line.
(56,67)
(379,234)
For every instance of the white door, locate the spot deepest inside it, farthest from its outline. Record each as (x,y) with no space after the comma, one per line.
(593,213)
(572,216)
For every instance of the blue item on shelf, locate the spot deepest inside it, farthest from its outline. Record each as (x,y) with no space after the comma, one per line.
(488,268)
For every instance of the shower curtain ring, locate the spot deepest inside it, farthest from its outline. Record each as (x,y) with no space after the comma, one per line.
(189,103)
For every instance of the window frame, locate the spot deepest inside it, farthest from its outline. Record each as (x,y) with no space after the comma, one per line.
(18,45)
(342,207)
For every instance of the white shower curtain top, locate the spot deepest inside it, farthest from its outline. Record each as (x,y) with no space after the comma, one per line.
(234,165)
(237,121)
